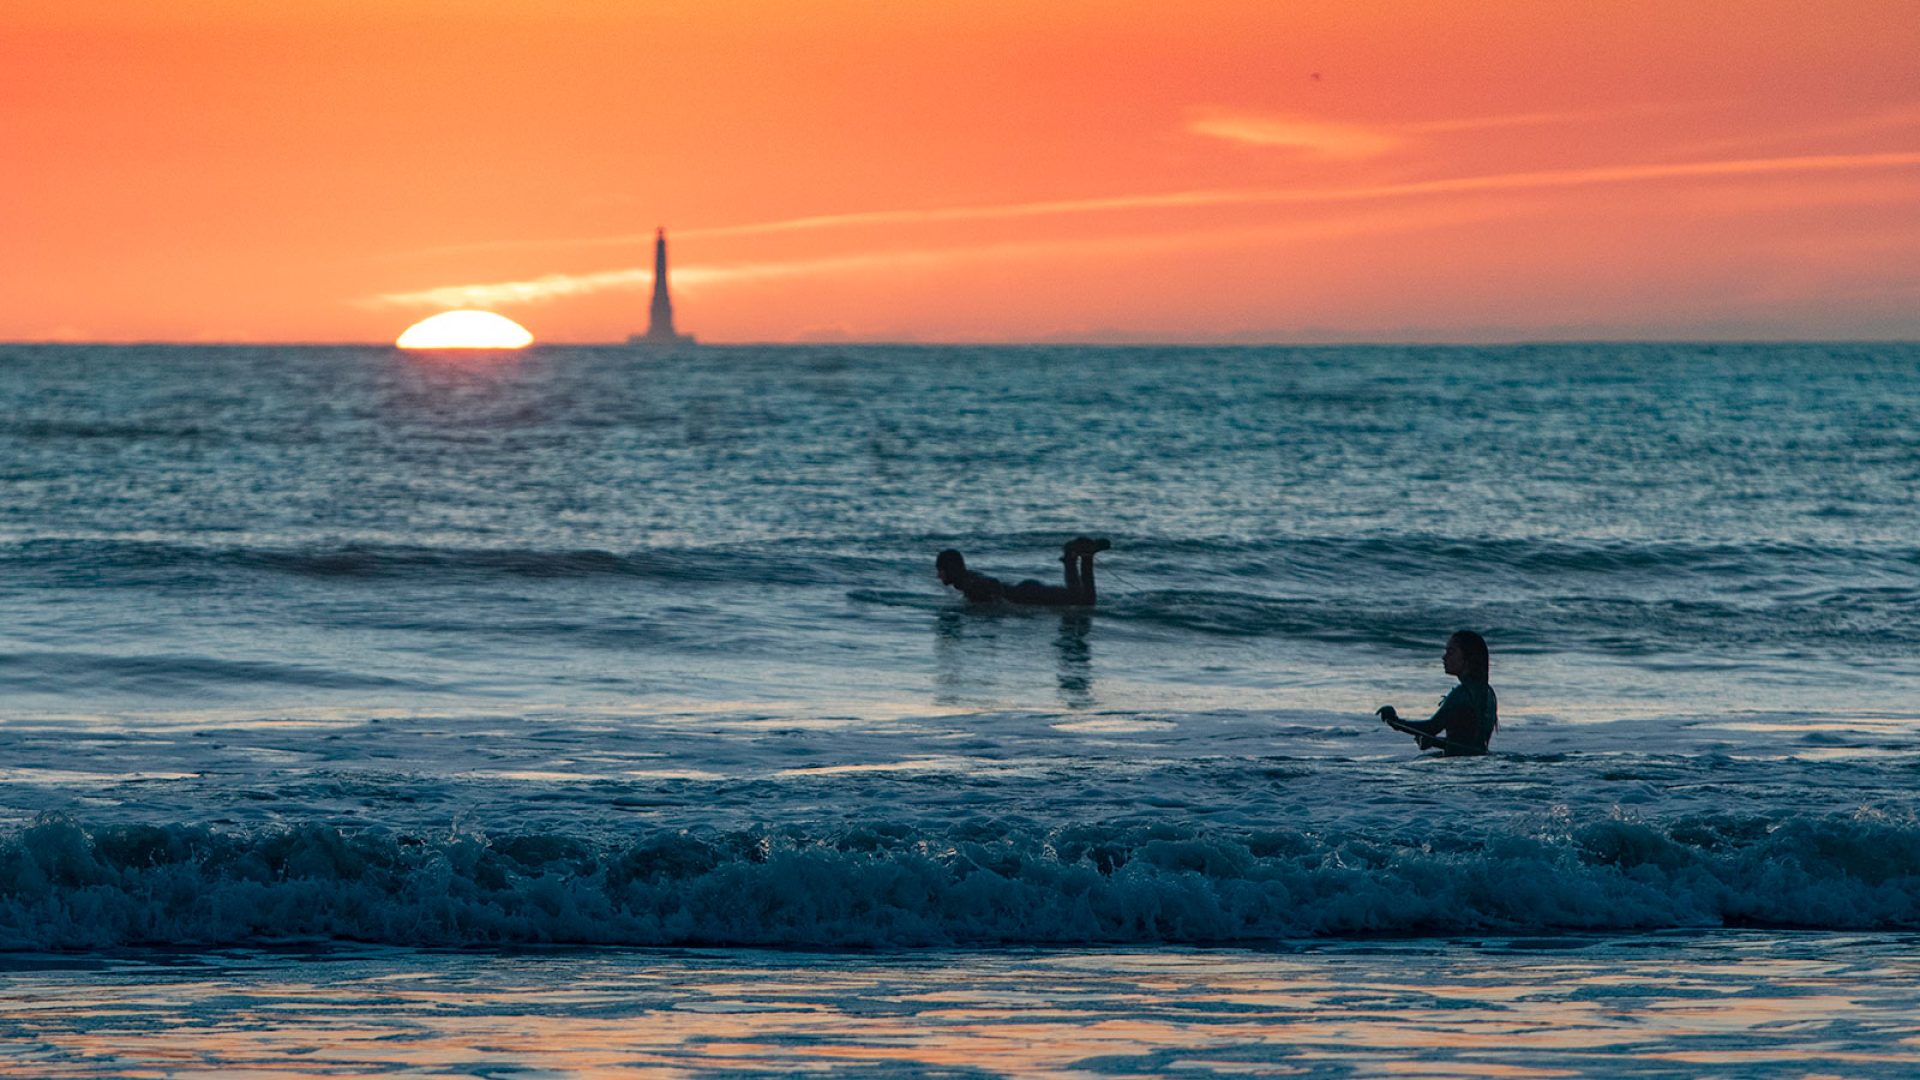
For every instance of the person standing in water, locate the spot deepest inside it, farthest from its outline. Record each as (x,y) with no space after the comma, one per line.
(1076,557)
(1468,714)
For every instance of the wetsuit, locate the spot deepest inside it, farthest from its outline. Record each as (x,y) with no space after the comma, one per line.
(1466,718)
(981,589)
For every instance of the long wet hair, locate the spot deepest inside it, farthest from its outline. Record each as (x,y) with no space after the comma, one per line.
(1474,648)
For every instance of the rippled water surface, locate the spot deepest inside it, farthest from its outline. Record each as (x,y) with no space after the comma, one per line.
(594,648)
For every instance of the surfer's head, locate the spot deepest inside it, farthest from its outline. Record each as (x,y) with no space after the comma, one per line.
(950,565)
(1466,655)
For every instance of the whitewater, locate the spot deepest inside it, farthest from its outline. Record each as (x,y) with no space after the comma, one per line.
(621,684)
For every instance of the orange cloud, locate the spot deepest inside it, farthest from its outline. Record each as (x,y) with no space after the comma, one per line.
(159,185)
(1891,119)
(1333,139)
(557,286)
(1626,174)
(1203,198)
(693,278)
(1532,119)
(1319,137)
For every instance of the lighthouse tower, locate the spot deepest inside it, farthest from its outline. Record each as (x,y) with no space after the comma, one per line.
(660,329)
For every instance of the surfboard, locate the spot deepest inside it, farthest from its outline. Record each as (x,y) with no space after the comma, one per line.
(1440,741)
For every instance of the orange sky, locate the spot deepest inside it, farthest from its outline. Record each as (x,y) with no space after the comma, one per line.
(1243,170)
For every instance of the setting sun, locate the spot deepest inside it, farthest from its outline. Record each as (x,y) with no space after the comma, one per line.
(465,330)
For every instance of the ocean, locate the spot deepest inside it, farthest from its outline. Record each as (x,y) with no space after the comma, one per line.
(593,711)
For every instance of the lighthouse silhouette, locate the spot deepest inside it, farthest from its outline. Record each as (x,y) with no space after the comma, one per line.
(660,331)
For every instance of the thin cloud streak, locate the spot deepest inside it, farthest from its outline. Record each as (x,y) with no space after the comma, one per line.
(1207,198)
(559,285)
(1341,140)
(506,293)
(1621,174)
(1895,118)
(1317,137)
(1534,119)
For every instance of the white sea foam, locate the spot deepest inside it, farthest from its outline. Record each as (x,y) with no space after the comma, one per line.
(981,829)
(987,883)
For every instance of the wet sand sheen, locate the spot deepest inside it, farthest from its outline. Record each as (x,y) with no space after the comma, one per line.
(1514,1007)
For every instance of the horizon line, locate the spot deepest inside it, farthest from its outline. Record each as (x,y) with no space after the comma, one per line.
(1145,343)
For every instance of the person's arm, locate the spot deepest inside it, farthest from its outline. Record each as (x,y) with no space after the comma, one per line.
(1435,726)
(1437,723)
(1449,711)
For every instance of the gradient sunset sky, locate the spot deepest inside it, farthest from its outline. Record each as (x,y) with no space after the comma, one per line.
(923,170)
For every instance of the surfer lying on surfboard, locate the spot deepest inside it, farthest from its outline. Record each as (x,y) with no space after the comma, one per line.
(1468,714)
(1076,556)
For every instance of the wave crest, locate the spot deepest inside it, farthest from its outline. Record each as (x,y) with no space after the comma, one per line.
(65,886)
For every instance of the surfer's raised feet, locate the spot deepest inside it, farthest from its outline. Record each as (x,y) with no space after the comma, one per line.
(1081,545)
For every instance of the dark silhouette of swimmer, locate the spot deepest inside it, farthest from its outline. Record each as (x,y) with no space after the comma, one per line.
(1076,557)
(1468,714)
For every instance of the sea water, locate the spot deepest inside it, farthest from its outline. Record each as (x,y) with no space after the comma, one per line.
(592,709)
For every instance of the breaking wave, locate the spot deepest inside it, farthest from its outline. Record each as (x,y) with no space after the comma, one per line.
(64,885)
